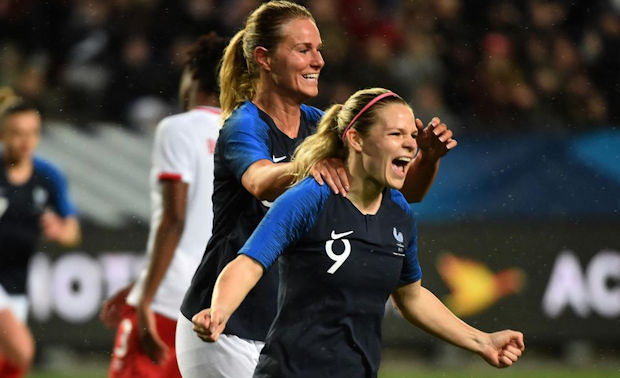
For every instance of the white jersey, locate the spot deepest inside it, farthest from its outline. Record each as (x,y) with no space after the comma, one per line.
(183,150)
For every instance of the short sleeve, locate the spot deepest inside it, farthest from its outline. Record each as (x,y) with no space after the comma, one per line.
(291,216)
(411,271)
(173,153)
(411,268)
(244,139)
(60,198)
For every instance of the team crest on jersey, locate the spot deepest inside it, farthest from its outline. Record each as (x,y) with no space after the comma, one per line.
(398,236)
(39,196)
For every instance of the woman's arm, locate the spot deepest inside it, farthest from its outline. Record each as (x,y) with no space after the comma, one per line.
(422,308)
(266,180)
(231,287)
(434,142)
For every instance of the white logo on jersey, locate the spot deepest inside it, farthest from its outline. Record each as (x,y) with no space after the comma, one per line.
(338,236)
(39,195)
(397,235)
(4,204)
(278,159)
(339,259)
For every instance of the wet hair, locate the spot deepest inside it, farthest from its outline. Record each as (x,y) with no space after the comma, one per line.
(203,60)
(328,141)
(239,71)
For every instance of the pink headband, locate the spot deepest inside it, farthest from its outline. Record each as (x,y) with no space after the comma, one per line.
(370,103)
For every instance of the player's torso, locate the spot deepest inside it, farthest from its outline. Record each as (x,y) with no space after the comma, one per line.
(334,283)
(21,207)
(236,215)
(353,260)
(201,127)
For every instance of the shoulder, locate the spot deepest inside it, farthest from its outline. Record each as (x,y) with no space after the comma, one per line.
(46,167)
(311,113)
(48,170)
(243,117)
(305,194)
(399,200)
(309,186)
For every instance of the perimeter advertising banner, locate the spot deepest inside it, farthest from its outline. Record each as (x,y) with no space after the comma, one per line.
(554,281)
(518,231)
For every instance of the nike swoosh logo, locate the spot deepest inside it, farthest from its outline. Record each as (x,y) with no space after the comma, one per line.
(278,159)
(343,234)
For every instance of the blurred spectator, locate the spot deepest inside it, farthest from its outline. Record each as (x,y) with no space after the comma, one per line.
(495,64)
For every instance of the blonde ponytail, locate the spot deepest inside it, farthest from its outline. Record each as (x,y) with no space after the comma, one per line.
(235,83)
(325,143)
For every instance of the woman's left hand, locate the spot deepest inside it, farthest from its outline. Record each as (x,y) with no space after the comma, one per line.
(332,171)
(503,348)
(435,140)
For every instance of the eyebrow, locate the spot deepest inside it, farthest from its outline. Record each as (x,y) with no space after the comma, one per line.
(308,44)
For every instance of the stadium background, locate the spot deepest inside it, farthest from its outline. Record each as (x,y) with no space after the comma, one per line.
(519,230)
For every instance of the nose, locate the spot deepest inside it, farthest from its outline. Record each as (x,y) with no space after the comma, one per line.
(410,143)
(317,60)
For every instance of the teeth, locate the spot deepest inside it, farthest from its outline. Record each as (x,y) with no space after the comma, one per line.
(404,159)
(311,76)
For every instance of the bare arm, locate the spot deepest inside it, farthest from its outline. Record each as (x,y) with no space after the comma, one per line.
(167,236)
(231,287)
(266,180)
(422,308)
(434,142)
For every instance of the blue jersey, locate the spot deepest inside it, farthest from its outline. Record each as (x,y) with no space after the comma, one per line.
(21,207)
(337,270)
(248,135)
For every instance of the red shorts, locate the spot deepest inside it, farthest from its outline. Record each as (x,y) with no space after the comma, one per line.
(128,359)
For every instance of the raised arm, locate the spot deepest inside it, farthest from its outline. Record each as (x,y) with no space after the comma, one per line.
(434,142)
(422,308)
(231,287)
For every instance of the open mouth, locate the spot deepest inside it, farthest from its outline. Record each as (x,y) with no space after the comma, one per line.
(313,77)
(399,165)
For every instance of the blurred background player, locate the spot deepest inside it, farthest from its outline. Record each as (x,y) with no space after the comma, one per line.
(270,68)
(181,188)
(342,258)
(34,200)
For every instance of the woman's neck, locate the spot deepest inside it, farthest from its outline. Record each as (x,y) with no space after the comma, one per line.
(18,171)
(284,111)
(365,193)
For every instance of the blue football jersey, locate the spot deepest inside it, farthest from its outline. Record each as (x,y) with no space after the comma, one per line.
(338,268)
(248,135)
(21,207)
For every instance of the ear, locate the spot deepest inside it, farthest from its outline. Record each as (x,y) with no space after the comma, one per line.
(262,57)
(355,140)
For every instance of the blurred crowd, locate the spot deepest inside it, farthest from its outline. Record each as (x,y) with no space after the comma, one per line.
(482,66)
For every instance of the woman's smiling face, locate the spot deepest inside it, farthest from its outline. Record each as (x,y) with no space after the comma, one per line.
(297,61)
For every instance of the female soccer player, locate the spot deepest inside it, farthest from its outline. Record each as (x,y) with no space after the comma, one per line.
(34,200)
(342,257)
(269,69)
